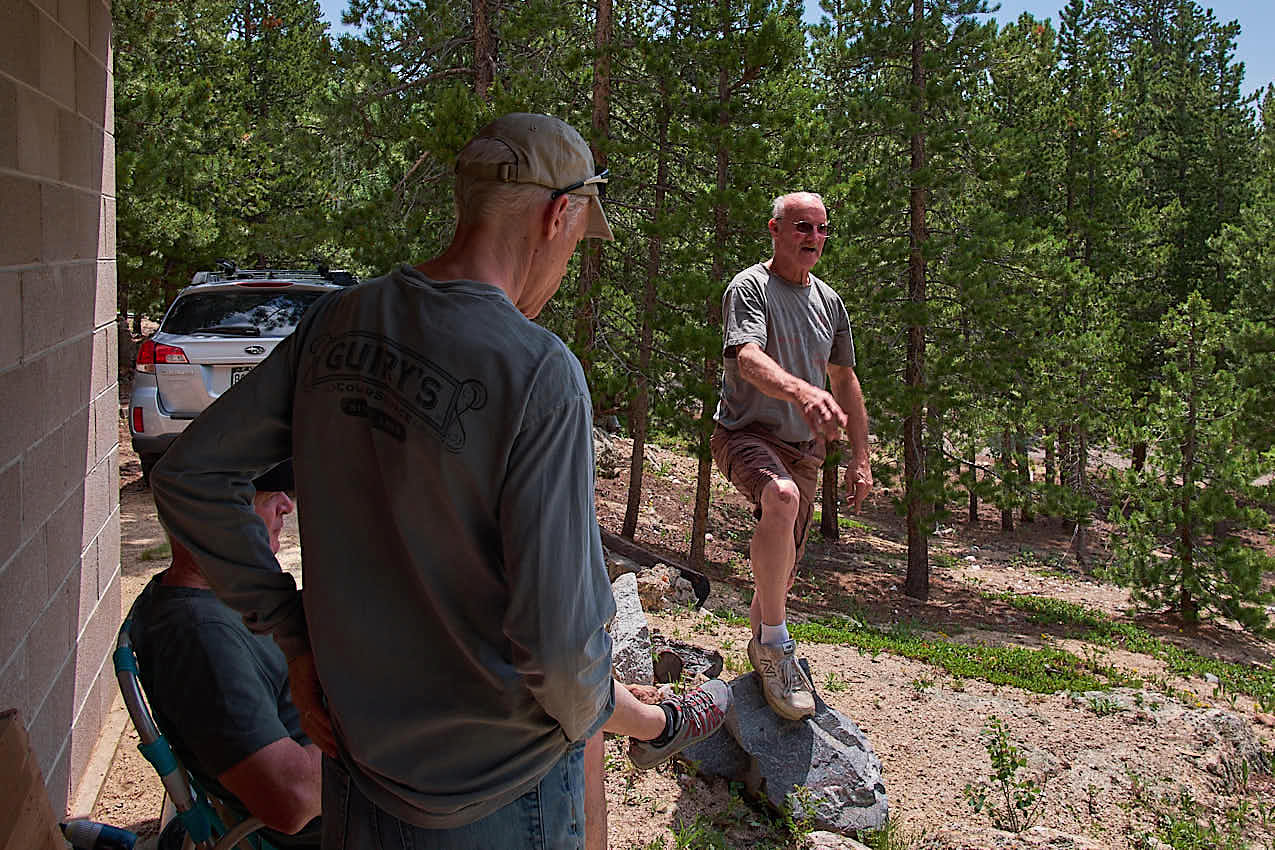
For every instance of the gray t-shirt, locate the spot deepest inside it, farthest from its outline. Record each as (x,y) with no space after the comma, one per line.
(802,328)
(455,593)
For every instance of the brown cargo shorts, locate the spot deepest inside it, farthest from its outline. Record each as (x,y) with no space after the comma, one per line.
(751,457)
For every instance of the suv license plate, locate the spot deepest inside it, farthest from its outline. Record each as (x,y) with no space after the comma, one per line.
(238,372)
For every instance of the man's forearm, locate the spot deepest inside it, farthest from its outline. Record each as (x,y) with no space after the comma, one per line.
(760,369)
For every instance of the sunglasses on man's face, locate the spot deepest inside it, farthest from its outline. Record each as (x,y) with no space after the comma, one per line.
(805,228)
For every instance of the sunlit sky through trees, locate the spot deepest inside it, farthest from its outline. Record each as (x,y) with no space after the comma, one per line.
(1256,17)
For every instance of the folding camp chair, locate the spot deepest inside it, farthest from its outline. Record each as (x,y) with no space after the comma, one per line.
(205,827)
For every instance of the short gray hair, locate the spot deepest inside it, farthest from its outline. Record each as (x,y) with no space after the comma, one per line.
(780,204)
(477,198)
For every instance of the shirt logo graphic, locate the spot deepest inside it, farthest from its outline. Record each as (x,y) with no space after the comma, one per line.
(392,386)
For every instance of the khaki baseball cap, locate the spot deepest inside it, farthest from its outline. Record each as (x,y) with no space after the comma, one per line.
(545,151)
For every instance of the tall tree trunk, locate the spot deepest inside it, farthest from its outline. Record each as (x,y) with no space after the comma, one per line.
(1024,475)
(591,259)
(917,583)
(1138,458)
(1007,479)
(973,483)
(829,527)
(484,48)
(1050,458)
(639,416)
(713,309)
(1080,539)
(1188,605)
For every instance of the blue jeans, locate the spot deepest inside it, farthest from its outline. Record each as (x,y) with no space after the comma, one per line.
(548,817)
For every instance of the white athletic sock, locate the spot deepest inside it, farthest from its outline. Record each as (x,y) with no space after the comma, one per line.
(774,635)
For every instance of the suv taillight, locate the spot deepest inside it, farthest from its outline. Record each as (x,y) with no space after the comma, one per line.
(152,352)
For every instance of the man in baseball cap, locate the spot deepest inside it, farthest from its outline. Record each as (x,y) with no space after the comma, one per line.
(451,657)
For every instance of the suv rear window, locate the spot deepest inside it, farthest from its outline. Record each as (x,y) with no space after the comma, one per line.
(240,313)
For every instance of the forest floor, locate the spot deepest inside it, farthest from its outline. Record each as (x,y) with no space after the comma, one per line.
(1153,754)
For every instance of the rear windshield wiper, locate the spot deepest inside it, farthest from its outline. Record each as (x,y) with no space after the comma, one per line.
(230,330)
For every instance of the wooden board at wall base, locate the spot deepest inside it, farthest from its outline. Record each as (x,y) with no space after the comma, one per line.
(26,818)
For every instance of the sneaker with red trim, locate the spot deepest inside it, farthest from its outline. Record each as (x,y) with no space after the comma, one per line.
(700,712)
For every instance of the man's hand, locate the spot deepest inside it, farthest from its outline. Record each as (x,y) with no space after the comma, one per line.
(307,696)
(858,482)
(821,412)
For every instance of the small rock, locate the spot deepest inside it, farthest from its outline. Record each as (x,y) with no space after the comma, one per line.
(824,840)
(1211,678)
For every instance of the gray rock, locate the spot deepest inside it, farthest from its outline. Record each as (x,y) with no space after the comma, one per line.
(826,755)
(824,840)
(606,456)
(630,636)
(675,659)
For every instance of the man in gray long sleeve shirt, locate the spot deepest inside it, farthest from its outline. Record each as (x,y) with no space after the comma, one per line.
(451,648)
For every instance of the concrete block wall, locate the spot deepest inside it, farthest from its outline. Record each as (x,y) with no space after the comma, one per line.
(59,426)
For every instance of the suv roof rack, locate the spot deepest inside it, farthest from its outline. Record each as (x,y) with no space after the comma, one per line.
(340,277)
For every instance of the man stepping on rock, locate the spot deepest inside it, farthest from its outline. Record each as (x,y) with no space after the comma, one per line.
(783,330)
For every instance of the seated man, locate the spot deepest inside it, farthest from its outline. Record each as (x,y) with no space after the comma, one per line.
(220,693)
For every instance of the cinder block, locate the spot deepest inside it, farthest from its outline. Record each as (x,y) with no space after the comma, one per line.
(57,63)
(39,141)
(46,479)
(62,534)
(106,229)
(90,87)
(101,376)
(106,419)
(94,644)
(67,390)
(10,320)
(8,123)
(11,516)
(43,323)
(109,121)
(52,636)
(99,30)
(20,228)
(23,589)
(57,781)
(50,725)
(83,577)
(97,501)
(88,724)
(79,298)
(108,555)
(74,15)
(113,479)
(108,164)
(79,151)
(20,48)
(23,415)
(106,293)
(89,224)
(58,214)
(15,689)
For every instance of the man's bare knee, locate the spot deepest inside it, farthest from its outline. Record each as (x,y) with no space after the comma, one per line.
(780,499)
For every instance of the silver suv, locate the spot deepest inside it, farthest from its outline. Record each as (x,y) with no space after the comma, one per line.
(216,330)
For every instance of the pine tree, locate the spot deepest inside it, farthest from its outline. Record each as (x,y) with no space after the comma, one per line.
(1181,510)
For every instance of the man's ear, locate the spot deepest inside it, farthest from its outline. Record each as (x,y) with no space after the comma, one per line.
(555,216)
(773,227)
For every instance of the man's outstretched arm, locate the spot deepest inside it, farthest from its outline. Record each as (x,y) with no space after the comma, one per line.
(279,783)
(818,407)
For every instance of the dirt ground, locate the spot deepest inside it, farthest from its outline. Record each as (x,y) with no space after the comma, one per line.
(1106,773)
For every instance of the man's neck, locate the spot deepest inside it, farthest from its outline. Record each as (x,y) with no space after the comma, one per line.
(184,572)
(482,255)
(793,274)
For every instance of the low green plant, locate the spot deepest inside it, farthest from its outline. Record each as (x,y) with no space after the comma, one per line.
(921,685)
(700,834)
(1012,803)
(834,684)
(161,552)
(896,835)
(1104,705)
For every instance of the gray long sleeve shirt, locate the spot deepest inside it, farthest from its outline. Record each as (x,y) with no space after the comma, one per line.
(455,595)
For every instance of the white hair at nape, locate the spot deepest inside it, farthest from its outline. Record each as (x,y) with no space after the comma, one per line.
(477,198)
(780,204)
